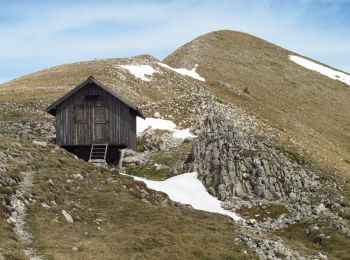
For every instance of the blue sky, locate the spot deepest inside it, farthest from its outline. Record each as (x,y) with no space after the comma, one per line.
(37,34)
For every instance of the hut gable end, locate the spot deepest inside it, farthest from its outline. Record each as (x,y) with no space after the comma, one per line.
(92,113)
(91,80)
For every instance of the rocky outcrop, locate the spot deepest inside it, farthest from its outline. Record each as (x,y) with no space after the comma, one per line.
(244,168)
(133,158)
(25,122)
(268,249)
(233,164)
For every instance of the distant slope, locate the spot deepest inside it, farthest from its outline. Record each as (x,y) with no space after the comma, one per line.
(142,79)
(117,217)
(112,217)
(311,109)
(110,72)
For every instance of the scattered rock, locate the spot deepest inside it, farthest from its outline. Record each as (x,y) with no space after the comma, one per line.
(269,249)
(67,216)
(245,168)
(77,176)
(44,205)
(40,143)
(320,208)
(156,115)
(234,163)
(132,157)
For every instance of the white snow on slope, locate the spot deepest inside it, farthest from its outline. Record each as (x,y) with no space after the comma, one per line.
(161,124)
(187,189)
(333,74)
(191,73)
(140,71)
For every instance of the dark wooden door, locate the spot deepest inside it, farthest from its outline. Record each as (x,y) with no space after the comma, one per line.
(99,123)
(81,129)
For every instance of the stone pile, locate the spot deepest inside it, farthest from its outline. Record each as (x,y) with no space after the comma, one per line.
(243,167)
(269,249)
(28,130)
(233,164)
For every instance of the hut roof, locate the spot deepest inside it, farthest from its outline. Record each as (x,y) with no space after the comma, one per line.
(52,108)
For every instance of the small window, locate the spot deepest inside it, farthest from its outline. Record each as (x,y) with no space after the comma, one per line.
(79,114)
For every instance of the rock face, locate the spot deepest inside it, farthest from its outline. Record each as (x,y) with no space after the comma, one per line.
(242,166)
(132,157)
(267,249)
(233,164)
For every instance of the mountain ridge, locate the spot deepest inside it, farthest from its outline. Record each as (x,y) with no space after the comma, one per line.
(247,36)
(250,130)
(239,68)
(259,76)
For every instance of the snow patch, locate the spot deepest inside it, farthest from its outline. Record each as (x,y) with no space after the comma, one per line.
(331,73)
(187,189)
(140,71)
(161,124)
(143,72)
(155,123)
(191,73)
(182,133)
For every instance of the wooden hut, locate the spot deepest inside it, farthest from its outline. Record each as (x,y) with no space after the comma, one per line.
(93,122)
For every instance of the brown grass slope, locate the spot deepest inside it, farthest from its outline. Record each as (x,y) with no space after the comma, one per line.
(112,217)
(312,110)
(164,88)
(168,92)
(306,108)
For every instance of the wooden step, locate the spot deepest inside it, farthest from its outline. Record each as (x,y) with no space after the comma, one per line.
(98,152)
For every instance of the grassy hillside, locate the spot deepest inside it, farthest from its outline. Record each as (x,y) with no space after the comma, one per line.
(118,218)
(114,216)
(310,109)
(165,91)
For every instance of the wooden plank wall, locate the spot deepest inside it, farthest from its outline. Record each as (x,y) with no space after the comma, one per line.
(121,121)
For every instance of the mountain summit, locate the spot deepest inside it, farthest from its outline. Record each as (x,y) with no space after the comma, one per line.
(311,109)
(234,125)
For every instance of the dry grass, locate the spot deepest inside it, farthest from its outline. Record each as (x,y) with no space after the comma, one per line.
(336,246)
(114,216)
(10,247)
(261,213)
(47,85)
(113,221)
(309,108)
(133,225)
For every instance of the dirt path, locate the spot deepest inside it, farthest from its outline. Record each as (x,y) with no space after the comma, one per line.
(18,216)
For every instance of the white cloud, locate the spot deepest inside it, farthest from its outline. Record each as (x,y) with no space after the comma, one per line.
(75,32)
(3,80)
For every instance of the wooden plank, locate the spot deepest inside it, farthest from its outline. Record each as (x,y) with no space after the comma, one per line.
(120,120)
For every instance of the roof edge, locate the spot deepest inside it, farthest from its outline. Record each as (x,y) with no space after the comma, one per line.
(51,109)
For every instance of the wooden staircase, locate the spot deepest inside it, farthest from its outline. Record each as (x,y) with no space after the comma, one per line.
(98,152)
